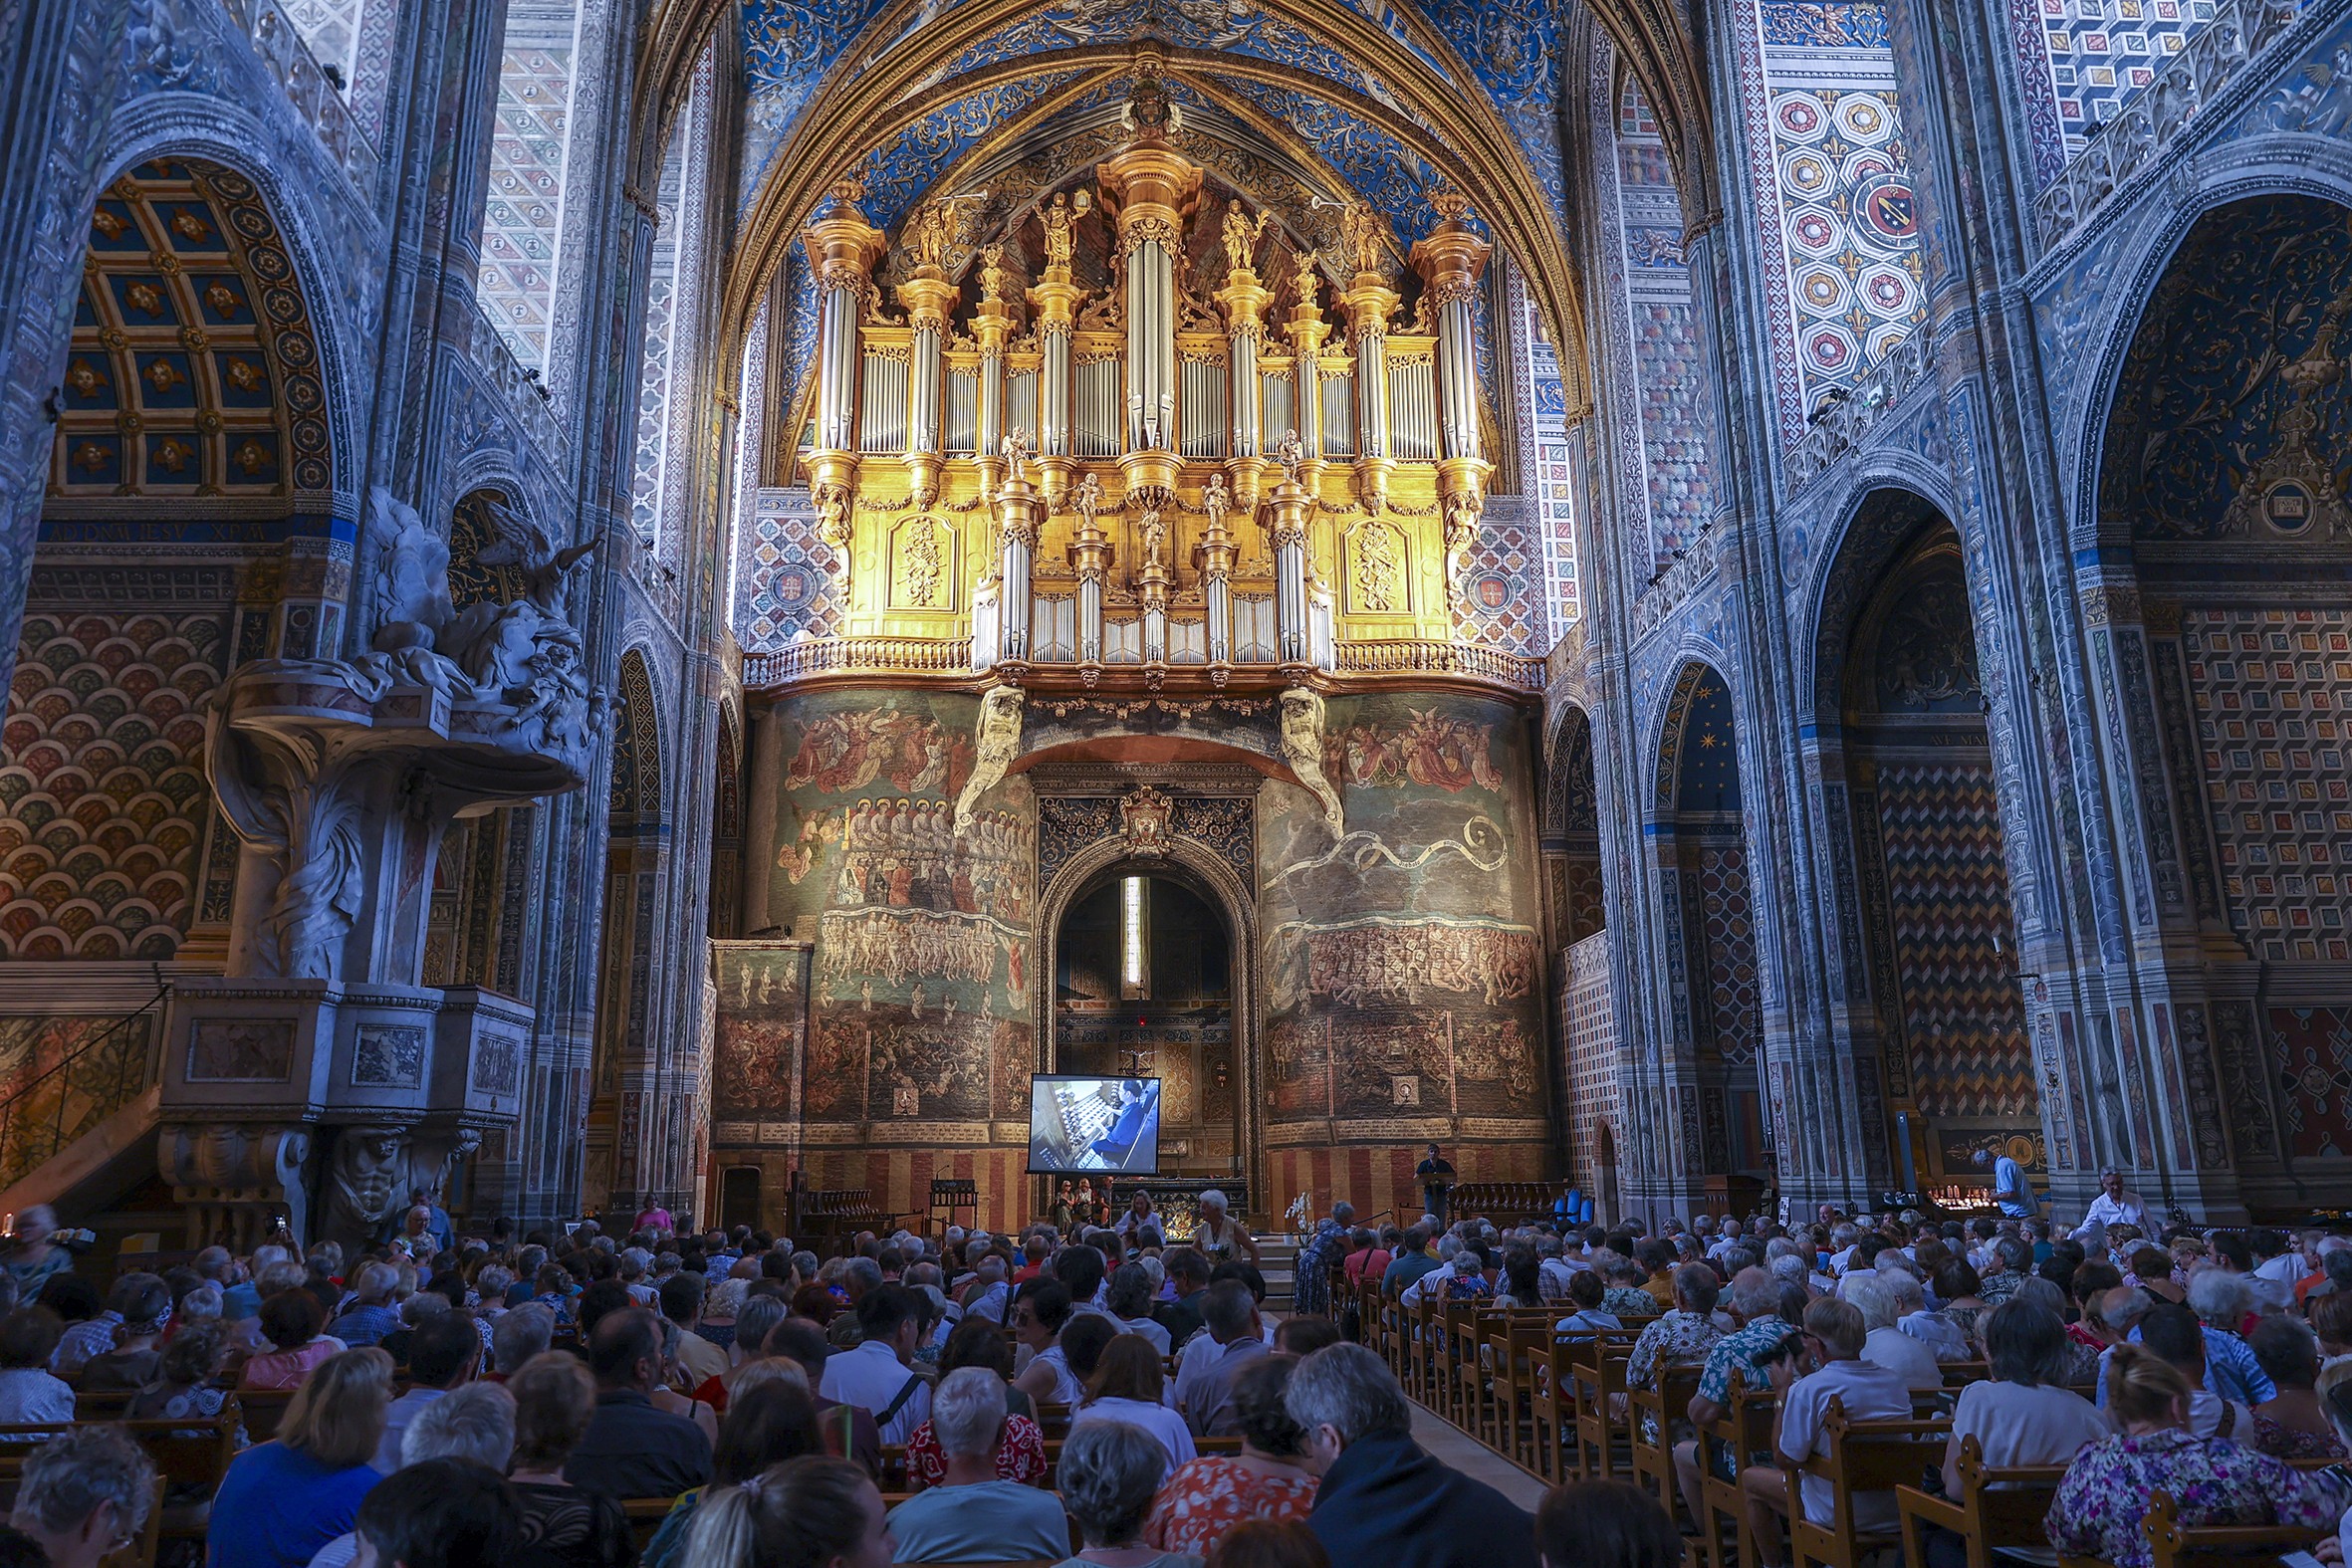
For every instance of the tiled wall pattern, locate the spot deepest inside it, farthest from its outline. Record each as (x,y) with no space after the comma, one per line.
(1588,1034)
(330,29)
(1666,349)
(661,297)
(1550,471)
(2314,1050)
(2102,54)
(1719,892)
(788,585)
(2273,696)
(526,196)
(1834,195)
(1502,604)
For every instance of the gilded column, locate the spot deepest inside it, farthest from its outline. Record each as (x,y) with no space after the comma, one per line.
(1019,511)
(992,327)
(843,249)
(1245,300)
(1155,189)
(1055,302)
(1089,557)
(1306,331)
(1369,303)
(1213,559)
(1450,261)
(1286,524)
(927,295)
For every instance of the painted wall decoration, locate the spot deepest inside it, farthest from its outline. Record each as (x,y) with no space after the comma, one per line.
(102,800)
(528,149)
(1554,478)
(1404,976)
(2081,61)
(107,1059)
(786,592)
(2199,448)
(2272,690)
(1667,361)
(1832,175)
(2312,1048)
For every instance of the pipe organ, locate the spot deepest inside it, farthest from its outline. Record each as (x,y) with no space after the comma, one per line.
(1100,436)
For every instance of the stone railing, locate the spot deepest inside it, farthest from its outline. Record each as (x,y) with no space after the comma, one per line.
(1842,428)
(486,349)
(842,656)
(1565,661)
(280,47)
(1402,657)
(2129,144)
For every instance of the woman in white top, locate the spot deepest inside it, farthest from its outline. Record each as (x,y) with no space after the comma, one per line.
(2025,1413)
(1127,1385)
(1129,1296)
(1217,1237)
(1070,1361)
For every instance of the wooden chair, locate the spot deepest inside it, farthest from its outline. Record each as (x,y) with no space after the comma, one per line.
(1997,1507)
(140,1553)
(1052,1419)
(1604,1440)
(644,1515)
(1660,1408)
(1746,1426)
(891,1461)
(1858,1456)
(1231,1447)
(264,1409)
(102,1403)
(2172,1544)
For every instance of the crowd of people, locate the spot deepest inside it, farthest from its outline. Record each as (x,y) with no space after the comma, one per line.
(499,1398)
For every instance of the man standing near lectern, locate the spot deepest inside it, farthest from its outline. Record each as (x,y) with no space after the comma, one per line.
(1437,1180)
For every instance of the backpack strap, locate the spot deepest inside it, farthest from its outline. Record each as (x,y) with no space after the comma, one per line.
(906,1392)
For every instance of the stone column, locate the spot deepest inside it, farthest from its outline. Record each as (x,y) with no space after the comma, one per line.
(843,249)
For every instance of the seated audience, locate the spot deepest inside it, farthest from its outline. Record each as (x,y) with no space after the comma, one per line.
(2292,1425)
(475,1424)
(808,1512)
(773,1419)
(446,1513)
(1128,1295)
(29,1392)
(1382,1498)
(1021,1446)
(1833,1337)
(284,1499)
(81,1494)
(972,1514)
(2174,1333)
(1109,1475)
(630,1448)
(442,1355)
(1884,1343)
(1606,1524)
(185,1386)
(1208,1496)
(290,1322)
(1587,1292)
(2214,1480)
(371,1316)
(1126,1386)
(680,1297)
(2023,1413)
(1270,1543)
(143,1304)
(1303,1336)
(561,1525)
(1203,1385)
(520,1334)
(849,1430)
(875,1374)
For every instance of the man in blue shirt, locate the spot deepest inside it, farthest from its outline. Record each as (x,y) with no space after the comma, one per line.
(1119,1141)
(2011,1190)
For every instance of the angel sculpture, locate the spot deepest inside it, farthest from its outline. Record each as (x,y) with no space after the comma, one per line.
(1290,452)
(1241,235)
(1362,228)
(1016,453)
(1086,499)
(1155,535)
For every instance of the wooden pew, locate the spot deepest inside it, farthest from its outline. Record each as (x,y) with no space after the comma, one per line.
(1745,1426)
(2176,1545)
(1997,1507)
(264,1409)
(1661,1408)
(644,1515)
(1860,1456)
(1604,1442)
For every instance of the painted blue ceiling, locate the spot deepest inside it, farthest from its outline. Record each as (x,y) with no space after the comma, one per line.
(1511,47)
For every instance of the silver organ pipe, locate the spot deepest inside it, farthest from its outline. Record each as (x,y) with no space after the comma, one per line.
(1412,409)
(1097,419)
(881,402)
(1205,398)
(1273,403)
(1338,415)
(1021,401)
(963,412)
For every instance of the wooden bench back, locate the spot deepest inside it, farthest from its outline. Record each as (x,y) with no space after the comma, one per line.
(2176,1545)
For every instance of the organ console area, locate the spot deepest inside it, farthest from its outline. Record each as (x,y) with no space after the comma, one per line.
(1143,422)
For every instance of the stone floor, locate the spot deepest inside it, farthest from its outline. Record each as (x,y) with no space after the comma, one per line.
(1471,1458)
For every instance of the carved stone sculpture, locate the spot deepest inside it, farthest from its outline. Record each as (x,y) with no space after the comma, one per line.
(996,744)
(1241,235)
(366,1174)
(1290,452)
(1302,749)
(1015,449)
(1217,501)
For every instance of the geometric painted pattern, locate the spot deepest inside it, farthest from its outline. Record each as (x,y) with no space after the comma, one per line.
(1550,479)
(2274,694)
(1728,926)
(1503,603)
(103,800)
(2314,1046)
(1589,1035)
(1667,360)
(329,27)
(1948,901)
(790,596)
(1833,186)
(194,371)
(661,291)
(526,198)
(2102,54)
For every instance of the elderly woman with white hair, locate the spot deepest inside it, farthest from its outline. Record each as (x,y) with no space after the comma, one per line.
(1110,1473)
(1218,1237)
(1884,1343)
(972,1514)
(2223,1303)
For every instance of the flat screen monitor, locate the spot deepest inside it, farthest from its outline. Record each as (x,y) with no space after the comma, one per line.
(1093,1124)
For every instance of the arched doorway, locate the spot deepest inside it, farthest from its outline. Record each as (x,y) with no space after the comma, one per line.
(1701,848)
(1932,883)
(1143,988)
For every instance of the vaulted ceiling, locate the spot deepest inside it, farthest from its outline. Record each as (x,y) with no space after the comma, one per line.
(1382,101)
